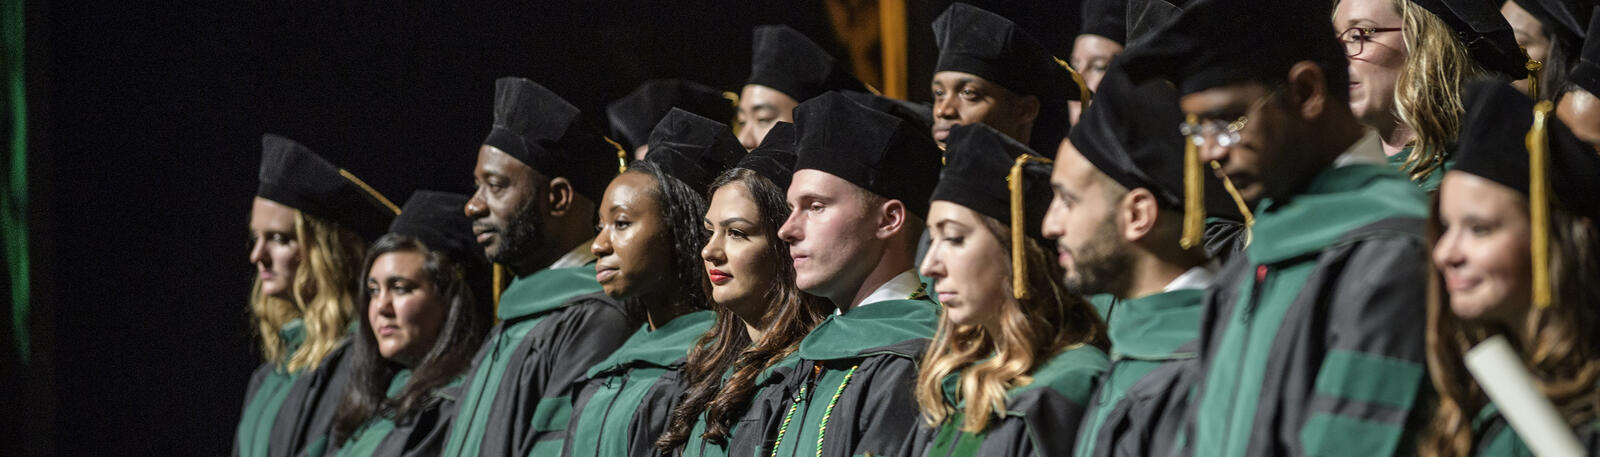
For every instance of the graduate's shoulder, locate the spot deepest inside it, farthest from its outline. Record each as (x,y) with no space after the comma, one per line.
(1072,373)
(894,327)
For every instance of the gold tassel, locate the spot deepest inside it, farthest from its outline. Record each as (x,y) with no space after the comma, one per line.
(496,286)
(1249,219)
(369,190)
(1194,207)
(1539,203)
(1083,87)
(622,155)
(1019,225)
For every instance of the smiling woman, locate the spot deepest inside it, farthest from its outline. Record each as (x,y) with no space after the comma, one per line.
(1485,258)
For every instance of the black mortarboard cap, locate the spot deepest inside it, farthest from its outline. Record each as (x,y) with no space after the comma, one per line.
(296,177)
(548,134)
(1220,42)
(881,153)
(1145,16)
(1493,145)
(784,59)
(774,158)
(1586,73)
(977,167)
(1566,20)
(1488,37)
(1130,133)
(435,218)
(992,47)
(1106,18)
(916,113)
(693,149)
(633,116)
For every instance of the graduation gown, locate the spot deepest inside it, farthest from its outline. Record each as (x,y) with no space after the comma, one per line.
(516,400)
(855,375)
(625,401)
(287,413)
(696,446)
(1312,340)
(1038,417)
(1139,406)
(1493,436)
(421,434)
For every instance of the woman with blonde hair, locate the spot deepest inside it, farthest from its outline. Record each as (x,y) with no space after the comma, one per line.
(1016,356)
(1409,60)
(309,226)
(1516,254)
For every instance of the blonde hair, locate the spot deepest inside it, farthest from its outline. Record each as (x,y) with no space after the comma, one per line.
(1031,331)
(1559,344)
(322,291)
(1428,91)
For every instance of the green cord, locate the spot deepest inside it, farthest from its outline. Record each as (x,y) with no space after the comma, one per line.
(822,431)
(786,417)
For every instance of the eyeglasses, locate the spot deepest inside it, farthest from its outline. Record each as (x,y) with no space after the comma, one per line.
(1356,38)
(1226,134)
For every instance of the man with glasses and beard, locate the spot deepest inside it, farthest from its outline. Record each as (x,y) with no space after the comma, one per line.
(1311,339)
(539,176)
(1118,222)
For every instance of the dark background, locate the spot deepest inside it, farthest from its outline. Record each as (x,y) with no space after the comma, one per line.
(145,125)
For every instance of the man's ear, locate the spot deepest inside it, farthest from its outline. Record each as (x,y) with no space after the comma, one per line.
(1138,211)
(892,219)
(560,196)
(1309,90)
(1029,106)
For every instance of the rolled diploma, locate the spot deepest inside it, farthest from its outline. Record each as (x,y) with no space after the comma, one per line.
(1499,370)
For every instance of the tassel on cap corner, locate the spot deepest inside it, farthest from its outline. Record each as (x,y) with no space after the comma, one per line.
(1077,78)
(1194,208)
(1019,225)
(622,155)
(1539,203)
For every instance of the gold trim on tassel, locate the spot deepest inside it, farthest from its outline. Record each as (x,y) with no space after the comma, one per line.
(497,285)
(1019,224)
(1194,206)
(1539,203)
(1249,219)
(370,191)
(622,155)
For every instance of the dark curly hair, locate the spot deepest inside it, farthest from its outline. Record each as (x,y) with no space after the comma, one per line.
(791,315)
(681,210)
(466,323)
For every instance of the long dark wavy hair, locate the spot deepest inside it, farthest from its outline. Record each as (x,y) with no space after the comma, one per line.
(465,325)
(1560,344)
(791,315)
(682,208)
